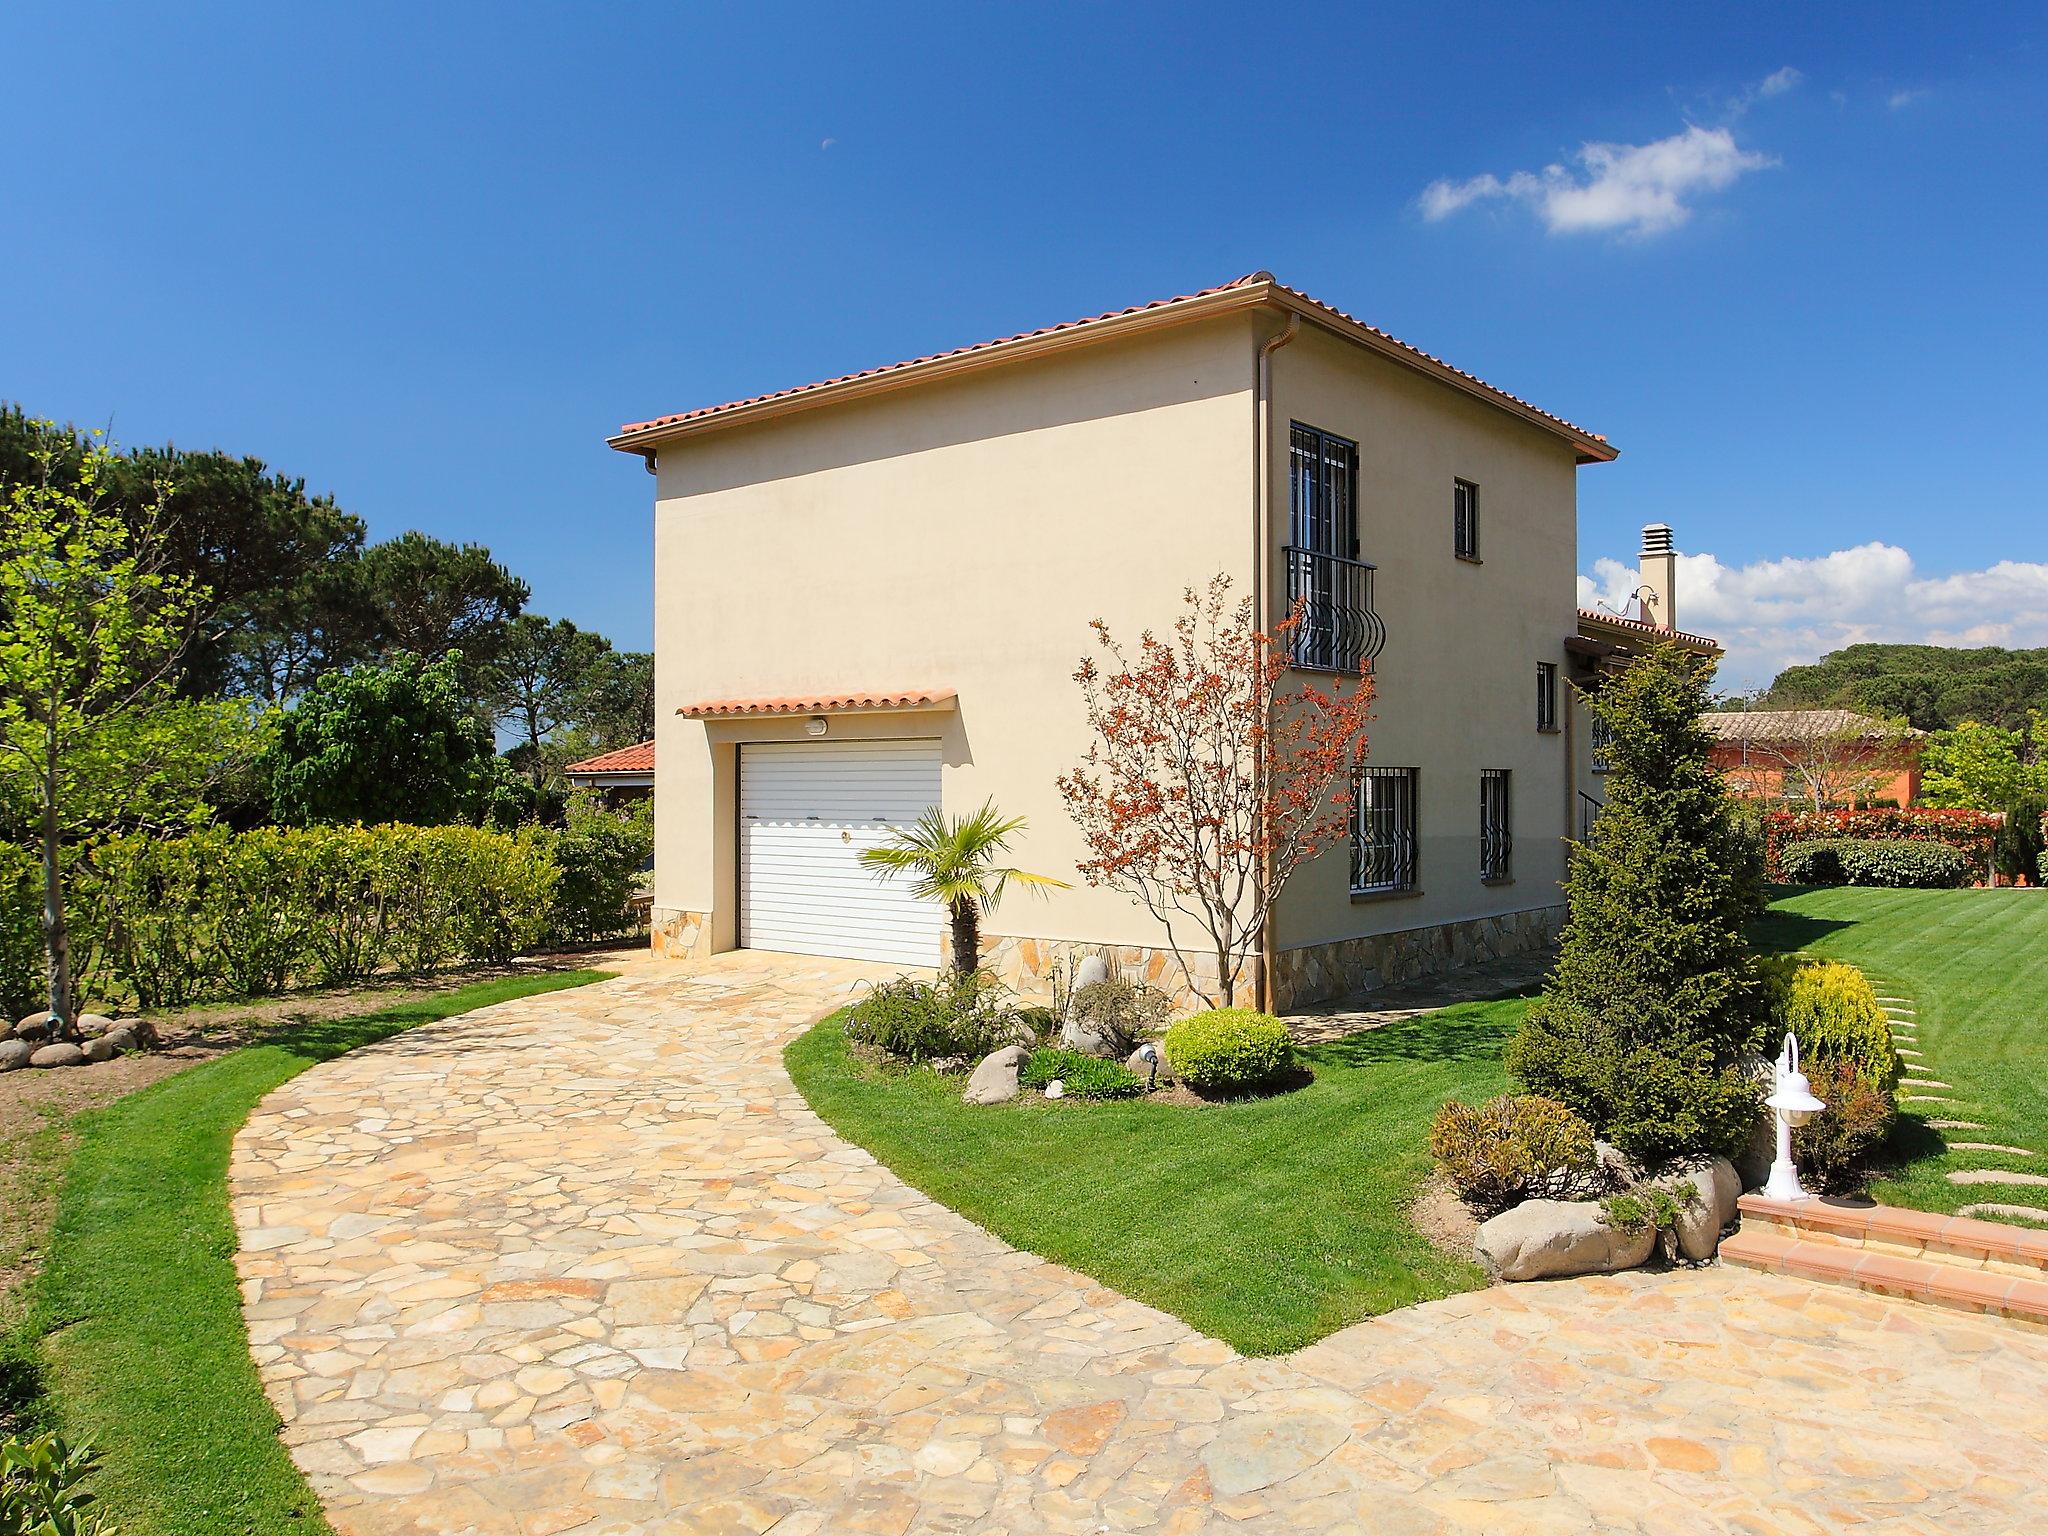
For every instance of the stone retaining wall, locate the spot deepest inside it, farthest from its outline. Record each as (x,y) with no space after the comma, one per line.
(1316,973)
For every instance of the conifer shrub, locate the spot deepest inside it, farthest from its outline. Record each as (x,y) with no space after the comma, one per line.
(1833,1010)
(1656,994)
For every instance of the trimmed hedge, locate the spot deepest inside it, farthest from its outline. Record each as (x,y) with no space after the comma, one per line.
(1972,833)
(1229,1050)
(1866,861)
(218,914)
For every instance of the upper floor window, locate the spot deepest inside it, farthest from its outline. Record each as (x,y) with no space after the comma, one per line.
(1324,484)
(1383,830)
(1328,586)
(1546,695)
(1465,519)
(1496,837)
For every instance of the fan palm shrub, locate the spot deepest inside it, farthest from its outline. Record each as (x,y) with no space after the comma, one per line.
(955,861)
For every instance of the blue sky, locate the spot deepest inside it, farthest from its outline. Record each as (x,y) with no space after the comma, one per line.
(426,256)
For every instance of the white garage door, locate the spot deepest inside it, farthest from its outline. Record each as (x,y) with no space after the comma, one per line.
(807,809)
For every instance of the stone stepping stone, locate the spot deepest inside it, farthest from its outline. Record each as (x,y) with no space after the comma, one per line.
(1904,1052)
(1924,1082)
(1923,1098)
(1989,1146)
(1993,1208)
(1996,1176)
(1957,1125)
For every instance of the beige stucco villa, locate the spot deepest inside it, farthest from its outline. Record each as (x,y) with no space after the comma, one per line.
(871,594)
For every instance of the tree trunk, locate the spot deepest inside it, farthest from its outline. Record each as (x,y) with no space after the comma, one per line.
(56,941)
(966,937)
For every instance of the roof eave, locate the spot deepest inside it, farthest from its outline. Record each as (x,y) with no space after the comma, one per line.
(644,440)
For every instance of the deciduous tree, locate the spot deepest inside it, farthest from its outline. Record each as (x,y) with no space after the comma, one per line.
(1211,778)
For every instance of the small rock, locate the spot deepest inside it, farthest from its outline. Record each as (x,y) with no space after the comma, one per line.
(64,1055)
(1542,1238)
(1056,1089)
(14,1054)
(144,1032)
(92,1025)
(101,1048)
(995,1079)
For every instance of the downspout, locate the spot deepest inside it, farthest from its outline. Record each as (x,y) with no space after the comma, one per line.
(1262,585)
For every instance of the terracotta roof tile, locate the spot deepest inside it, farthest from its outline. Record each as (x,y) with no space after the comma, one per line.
(1790,724)
(909,699)
(1601,616)
(1249,280)
(638,758)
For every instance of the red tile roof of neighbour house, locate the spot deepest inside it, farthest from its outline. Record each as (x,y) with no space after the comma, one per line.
(1691,642)
(1253,289)
(1796,725)
(912,699)
(638,758)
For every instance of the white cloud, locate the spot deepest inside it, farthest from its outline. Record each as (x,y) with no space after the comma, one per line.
(1638,189)
(1778,82)
(1777,613)
(1906,98)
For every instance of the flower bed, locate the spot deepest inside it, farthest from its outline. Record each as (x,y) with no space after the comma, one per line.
(1970,832)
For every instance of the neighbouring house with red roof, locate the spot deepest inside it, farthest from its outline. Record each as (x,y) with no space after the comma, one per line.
(871,594)
(1816,757)
(620,776)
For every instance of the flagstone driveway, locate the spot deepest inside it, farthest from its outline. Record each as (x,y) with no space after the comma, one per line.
(586,1263)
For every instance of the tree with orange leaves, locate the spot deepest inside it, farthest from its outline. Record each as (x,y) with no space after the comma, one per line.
(1211,779)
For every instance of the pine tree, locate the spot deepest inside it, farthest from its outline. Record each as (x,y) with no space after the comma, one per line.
(1656,992)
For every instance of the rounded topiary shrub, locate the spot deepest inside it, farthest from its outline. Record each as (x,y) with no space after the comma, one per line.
(1514,1148)
(1229,1050)
(1833,1010)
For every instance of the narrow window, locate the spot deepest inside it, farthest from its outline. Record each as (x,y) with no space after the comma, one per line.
(1496,839)
(1602,737)
(1325,578)
(1546,695)
(1383,830)
(1465,518)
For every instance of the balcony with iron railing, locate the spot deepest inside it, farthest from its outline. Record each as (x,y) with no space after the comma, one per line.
(1340,629)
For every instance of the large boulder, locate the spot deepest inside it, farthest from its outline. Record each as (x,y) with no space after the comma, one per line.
(121,1038)
(1089,970)
(995,1079)
(36,1028)
(14,1054)
(102,1048)
(143,1032)
(92,1025)
(1539,1239)
(1702,1220)
(1094,1037)
(62,1055)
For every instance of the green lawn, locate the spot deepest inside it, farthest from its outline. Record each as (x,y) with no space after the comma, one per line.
(137,1306)
(1267,1224)
(1975,964)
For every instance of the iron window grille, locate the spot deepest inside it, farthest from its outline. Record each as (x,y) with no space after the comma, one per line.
(1496,839)
(1602,739)
(1465,519)
(1383,830)
(1339,629)
(1546,695)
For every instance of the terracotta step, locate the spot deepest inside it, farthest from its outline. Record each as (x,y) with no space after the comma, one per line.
(1953,1261)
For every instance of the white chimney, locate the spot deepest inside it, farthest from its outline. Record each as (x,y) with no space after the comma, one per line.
(1658,574)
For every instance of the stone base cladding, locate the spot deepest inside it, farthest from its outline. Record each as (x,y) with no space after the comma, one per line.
(1316,973)
(675,935)
(1025,966)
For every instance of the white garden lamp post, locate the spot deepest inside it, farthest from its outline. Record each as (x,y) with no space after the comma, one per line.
(1792,1103)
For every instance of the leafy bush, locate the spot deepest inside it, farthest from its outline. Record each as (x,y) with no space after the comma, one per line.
(1228,1050)
(921,1021)
(1837,1144)
(1649,1205)
(1864,861)
(41,1492)
(1656,996)
(1834,1012)
(1084,1077)
(1514,1148)
(601,854)
(218,914)
(1972,833)
(1124,1010)
(21,934)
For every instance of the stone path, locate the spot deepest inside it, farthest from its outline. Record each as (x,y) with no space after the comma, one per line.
(586,1263)
(1913,1083)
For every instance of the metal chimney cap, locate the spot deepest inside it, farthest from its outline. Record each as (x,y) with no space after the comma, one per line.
(1657,539)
